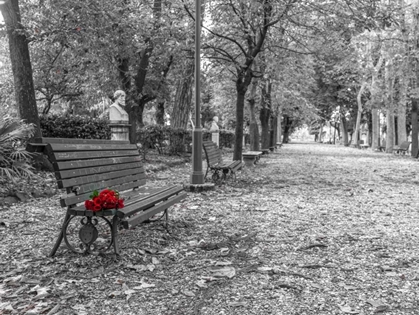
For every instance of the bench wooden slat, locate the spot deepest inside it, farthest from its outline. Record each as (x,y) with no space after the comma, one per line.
(146,203)
(96,162)
(119,184)
(134,196)
(73,147)
(126,180)
(141,193)
(100,177)
(66,156)
(77,140)
(142,216)
(96,170)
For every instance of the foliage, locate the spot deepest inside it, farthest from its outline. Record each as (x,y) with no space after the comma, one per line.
(14,159)
(74,126)
(226,138)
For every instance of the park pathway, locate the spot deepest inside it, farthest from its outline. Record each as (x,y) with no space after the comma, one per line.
(312,229)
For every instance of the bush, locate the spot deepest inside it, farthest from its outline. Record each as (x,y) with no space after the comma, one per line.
(226,138)
(74,126)
(14,159)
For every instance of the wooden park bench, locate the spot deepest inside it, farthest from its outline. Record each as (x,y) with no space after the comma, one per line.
(221,169)
(82,166)
(251,157)
(402,148)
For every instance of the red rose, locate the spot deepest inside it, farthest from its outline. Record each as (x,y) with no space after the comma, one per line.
(89,204)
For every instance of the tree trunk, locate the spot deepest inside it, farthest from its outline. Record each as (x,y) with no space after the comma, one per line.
(376,128)
(265,131)
(254,135)
(273,131)
(320,131)
(287,124)
(414,63)
(239,128)
(183,96)
(356,132)
(344,130)
(265,114)
(21,64)
(279,128)
(390,130)
(415,127)
(160,113)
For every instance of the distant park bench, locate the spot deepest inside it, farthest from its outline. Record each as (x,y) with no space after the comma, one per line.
(82,166)
(221,169)
(402,148)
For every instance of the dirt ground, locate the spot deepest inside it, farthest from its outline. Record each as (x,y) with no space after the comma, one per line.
(311,229)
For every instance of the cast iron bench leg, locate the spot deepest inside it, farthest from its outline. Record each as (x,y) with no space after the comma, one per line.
(60,235)
(115,222)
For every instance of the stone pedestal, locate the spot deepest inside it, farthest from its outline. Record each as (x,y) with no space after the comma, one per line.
(120,130)
(215,138)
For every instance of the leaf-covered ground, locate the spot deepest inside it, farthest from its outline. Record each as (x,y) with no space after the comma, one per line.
(312,229)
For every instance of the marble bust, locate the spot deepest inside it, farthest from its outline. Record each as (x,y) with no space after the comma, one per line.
(117,112)
(214,127)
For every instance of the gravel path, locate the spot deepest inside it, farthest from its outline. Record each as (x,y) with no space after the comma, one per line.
(312,229)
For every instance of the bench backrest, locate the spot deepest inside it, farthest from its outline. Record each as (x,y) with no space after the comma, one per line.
(82,166)
(404,145)
(213,153)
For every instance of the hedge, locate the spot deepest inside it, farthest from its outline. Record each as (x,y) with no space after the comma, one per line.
(74,126)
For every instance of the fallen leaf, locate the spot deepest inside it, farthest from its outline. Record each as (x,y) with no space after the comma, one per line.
(144,285)
(188,293)
(348,309)
(227,272)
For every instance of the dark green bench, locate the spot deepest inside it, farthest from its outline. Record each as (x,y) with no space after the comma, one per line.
(221,169)
(82,166)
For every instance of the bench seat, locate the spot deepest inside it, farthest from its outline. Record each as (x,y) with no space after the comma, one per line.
(221,169)
(82,166)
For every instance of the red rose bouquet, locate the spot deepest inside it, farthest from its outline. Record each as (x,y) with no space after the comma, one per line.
(106,199)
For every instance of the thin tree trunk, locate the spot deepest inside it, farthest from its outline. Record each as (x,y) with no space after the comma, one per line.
(254,135)
(390,117)
(265,113)
(273,131)
(21,64)
(239,128)
(403,81)
(160,113)
(287,124)
(279,127)
(415,127)
(321,130)
(359,114)
(376,140)
(374,91)
(344,130)
(183,97)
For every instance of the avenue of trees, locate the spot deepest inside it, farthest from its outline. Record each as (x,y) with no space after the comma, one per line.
(268,66)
